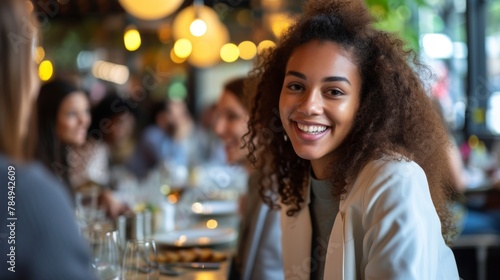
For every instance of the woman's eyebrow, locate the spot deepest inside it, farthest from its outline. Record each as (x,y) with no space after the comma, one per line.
(325,80)
(296,74)
(336,79)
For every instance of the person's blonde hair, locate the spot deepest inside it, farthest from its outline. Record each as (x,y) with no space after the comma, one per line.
(18,31)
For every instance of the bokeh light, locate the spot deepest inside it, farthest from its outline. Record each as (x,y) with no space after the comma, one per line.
(40,54)
(183,48)
(198,28)
(132,39)
(212,224)
(45,70)
(150,9)
(265,44)
(175,58)
(229,52)
(247,49)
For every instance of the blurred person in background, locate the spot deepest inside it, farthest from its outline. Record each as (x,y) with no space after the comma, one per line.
(495,170)
(156,143)
(212,150)
(43,242)
(480,210)
(172,139)
(63,120)
(102,158)
(116,120)
(258,254)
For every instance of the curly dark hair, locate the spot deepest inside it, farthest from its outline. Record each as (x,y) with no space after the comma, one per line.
(395,118)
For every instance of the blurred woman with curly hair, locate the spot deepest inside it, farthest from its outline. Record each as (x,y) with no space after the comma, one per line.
(341,120)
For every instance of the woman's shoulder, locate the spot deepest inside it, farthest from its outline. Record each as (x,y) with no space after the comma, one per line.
(385,175)
(390,166)
(392,178)
(34,182)
(32,170)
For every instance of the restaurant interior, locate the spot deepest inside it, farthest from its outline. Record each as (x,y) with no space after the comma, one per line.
(145,52)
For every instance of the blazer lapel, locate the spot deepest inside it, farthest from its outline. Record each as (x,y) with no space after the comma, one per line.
(254,241)
(296,241)
(334,263)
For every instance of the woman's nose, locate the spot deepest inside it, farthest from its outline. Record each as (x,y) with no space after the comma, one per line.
(219,126)
(311,103)
(83,119)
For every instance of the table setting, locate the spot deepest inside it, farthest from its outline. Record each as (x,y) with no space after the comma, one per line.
(181,226)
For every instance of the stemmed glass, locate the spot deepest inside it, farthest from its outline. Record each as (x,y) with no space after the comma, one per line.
(139,261)
(106,260)
(175,184)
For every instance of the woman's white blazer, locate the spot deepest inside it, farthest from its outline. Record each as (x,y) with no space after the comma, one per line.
(386,228)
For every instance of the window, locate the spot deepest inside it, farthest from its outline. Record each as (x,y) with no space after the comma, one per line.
(483,31)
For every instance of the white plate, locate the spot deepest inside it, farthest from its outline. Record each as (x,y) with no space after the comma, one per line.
(215,207)
(196,237)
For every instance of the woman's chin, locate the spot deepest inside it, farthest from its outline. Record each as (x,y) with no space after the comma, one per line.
(76,142)
(235,159)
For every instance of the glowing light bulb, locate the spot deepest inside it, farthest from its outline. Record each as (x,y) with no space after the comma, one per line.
(198,28)
(248,50)
(45,70)
(183,48)
(132,39)
(229,52)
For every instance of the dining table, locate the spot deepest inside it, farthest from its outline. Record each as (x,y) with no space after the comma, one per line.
(200,217)
(220,240)
(201,274)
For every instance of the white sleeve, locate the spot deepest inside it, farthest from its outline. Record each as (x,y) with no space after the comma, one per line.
(89,163)
(402,229)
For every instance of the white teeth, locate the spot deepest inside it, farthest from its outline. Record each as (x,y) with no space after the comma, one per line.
(314,129)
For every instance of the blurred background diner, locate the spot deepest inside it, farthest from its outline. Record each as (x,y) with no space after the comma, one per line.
(128,102)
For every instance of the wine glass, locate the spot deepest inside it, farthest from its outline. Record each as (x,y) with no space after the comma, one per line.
(139,261)
(106,260)
(176,177)
(175,184)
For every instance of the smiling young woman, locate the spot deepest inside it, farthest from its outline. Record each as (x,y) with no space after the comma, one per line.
(358,151)
(63,121)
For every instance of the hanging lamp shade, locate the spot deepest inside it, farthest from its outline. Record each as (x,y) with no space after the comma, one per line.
(206,48)
(150,9)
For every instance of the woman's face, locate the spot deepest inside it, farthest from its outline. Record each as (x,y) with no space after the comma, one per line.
(319,100)
(73,119)
(230,125)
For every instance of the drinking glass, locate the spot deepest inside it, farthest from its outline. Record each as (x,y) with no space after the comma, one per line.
(86,205)
(175,184)
(106,260)
(139,261)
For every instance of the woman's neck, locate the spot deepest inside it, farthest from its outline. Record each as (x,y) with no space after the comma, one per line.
(322,166)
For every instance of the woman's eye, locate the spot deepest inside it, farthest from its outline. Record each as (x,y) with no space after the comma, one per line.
(233,117)
(295,87)
(335,92)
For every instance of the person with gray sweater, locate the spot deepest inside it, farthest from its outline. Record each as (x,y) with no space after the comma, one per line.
(39,238)
(42,241)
